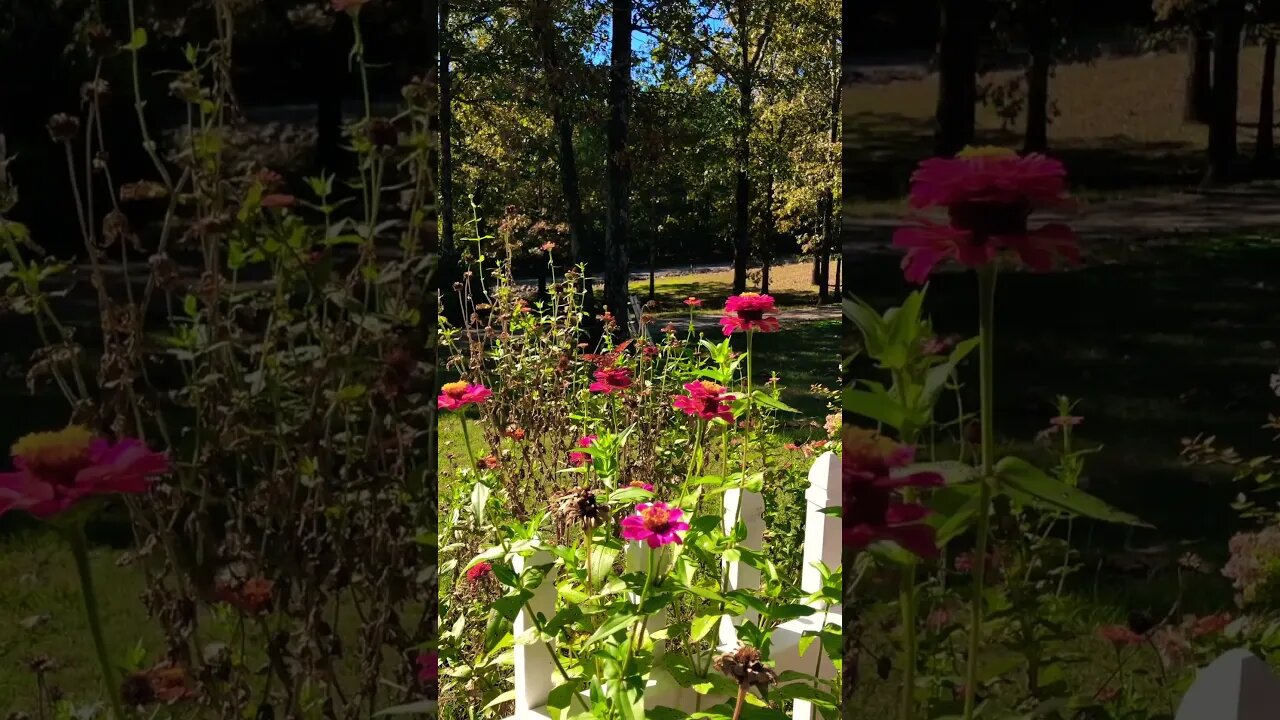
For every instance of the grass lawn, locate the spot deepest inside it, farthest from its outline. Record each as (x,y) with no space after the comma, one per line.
(1119,128)
(43,616)
(790,284)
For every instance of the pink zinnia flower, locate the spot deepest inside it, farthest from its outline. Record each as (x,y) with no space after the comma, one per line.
(641,485)
(278,200)
(428,667)
(55,470)
(871,511)
(706,400)
(611,380)
(348,6)
(747,312)
(456,395)
(578,459)
(1119,635)
(655,523)
(1066,420)
(989,193)
(693,302)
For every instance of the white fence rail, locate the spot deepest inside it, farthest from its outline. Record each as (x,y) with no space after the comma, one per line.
(536,675)
(1236,686)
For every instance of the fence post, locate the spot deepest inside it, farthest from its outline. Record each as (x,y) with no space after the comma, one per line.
(535,674)
(741,575)
(822,544)
(1236,686)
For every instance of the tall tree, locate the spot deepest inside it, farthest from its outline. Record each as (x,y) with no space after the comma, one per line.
(1264,155)
(1040,41)
(959,25)
(1195,16)
(446,129)
(542,22)
(732,38)
(1228,24)
(618,164)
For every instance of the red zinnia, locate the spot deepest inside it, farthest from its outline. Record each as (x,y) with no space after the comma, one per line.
(705,400)
(479,572)
(1119,635)
(747,312)
(871,511)
(455,395)
(989,194)
(278,200)
(578,459)
(55,470)
(611,380)
(692,302)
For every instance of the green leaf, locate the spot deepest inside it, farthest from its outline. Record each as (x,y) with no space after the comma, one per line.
(139,40)
(1022,477)
(766,400)
(878,406)
(702,625)
(613,625)
(936,379)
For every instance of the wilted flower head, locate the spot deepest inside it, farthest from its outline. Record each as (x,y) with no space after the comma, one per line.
(459,394)
(744,667)
(872,512)
(578,505)
(478,572)
(654,523)
(746,312)
(56,470)
(989,194)
(63,127)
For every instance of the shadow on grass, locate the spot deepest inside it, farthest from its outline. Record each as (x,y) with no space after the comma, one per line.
(881,149)
(1176,342)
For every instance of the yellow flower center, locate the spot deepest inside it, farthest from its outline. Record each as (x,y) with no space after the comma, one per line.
(980,151)
(712,388)
(56,455)
(867,443)
(454,389)
(656,519)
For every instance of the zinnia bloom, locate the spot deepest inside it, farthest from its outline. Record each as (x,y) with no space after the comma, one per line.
(456,395)
(611,380)
(872,513)
(693,302)
(706,400)
(655,523)
(479,572)
(1119,635)
(641,485)
(747,312)
(428,667)
(55,470)
(278,200)
(578,459)
(989,194)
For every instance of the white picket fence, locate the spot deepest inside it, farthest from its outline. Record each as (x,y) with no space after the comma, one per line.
(535,673)
(1237,686)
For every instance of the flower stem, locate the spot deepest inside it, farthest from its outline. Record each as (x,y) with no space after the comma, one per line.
(80,549)
(466,439)
(908,603)
(986,331)
(742,701)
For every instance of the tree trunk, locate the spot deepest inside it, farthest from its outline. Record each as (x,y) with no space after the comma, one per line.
(446,131)
(1226,80)
(957,76)
(618,164)
(329,90)
(1040,35)
(742,190)
(1264,151)
(827,204)
(544,32)
(653,267)
(1199,84)
(766,244)
(839,270)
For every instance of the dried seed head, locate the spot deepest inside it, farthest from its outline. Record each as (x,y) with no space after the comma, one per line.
(142,190)
(98,37)
(744,667)
(382,134)
(63,127)
(136,690)
(578,506)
